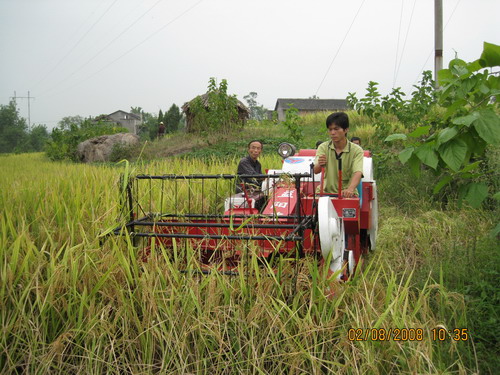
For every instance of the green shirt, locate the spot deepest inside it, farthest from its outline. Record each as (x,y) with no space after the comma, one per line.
(352,161)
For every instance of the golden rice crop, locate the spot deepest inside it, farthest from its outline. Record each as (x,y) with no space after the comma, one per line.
(71,304)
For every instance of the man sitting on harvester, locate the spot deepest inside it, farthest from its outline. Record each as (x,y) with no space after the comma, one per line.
(339,152)
(250,165)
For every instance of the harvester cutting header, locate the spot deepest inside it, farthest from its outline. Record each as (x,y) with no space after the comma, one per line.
(287,214)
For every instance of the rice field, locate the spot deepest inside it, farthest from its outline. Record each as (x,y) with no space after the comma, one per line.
(73,303)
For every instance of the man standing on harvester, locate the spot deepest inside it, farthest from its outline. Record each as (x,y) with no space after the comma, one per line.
(339,148)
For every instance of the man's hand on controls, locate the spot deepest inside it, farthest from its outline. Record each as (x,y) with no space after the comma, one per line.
(348,193)
(322,160)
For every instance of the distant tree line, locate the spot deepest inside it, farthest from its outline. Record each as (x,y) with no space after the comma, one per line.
(15,136)
(61,142)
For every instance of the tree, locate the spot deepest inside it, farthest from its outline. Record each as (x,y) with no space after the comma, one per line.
(455,146)
(294,124)
(172,118)
(136,110)
(257,112)
(13,129)
(68,122)
(38,138)
(161,118)
(216,111)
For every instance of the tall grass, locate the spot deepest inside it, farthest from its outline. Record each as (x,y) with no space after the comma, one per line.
(70,305)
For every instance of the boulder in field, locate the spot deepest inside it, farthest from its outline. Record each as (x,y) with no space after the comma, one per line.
(100,148)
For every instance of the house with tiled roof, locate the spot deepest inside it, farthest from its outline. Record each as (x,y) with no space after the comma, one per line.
(131,121)
(309,105)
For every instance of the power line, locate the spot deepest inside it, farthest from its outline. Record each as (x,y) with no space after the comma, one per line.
(15,97)
(134,47)
(104,48)
(397,45)
(77,43)
(341,44)
(404,44)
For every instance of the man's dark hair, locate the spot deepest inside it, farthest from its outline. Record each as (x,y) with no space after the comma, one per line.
(356,139)
(338,118)
(255,140)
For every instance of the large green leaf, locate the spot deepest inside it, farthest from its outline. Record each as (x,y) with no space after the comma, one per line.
(427,155)
(467,86)
(474,142)
(488,126)
(394,137)
(466,120)
(490,56)
(452,109)
(445,76)
(446,134)
(420,131)
(484,89)
(442,183)
(453,153)
(459,68)
(456,63)
(414,164)
(476,194)
(474,66)
(494,82)
(446,93)
(461,71)
(470,167)
(406,154)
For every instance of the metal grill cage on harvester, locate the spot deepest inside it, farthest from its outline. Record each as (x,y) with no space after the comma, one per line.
(284,216)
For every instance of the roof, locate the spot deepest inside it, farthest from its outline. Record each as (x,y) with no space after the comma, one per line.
(133,115)
(204,99)
(312,104)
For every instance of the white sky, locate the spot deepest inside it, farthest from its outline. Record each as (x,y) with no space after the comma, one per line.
(88,57)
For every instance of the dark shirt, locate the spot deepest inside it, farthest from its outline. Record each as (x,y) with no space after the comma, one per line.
(249,166)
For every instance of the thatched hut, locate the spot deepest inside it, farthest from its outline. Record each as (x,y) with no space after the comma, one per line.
(243,112)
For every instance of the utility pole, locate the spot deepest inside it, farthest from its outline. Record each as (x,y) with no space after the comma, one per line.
(438,38)
(15,97)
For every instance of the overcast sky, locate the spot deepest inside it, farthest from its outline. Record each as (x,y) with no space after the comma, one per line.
(89,57)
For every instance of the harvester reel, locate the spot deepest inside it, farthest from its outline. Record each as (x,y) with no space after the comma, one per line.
(331,234)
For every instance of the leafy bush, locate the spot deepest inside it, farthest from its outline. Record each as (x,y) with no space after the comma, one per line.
(293,124)
(409,112)
(454,146)
(216,111)
(65,139)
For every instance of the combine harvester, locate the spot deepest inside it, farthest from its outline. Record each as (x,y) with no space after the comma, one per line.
(294,219)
